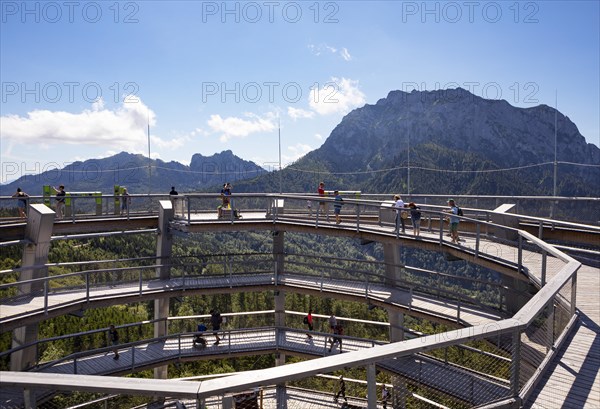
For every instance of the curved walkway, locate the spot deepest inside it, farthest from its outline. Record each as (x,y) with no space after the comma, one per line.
(579,355)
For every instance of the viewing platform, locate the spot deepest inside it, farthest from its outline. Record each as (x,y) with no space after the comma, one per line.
(550,354)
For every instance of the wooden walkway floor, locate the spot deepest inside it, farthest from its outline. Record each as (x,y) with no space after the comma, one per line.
(420,304)
(573,379)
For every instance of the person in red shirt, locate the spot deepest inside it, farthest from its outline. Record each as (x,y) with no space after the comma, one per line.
(323,208)
(309,321)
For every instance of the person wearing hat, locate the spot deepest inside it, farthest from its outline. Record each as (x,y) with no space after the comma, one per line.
(454,220)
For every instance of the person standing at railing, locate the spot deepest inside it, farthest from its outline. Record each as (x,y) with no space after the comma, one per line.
(401,214)
(113,335)
(332,322)
(225,199)
(415,218)
(22,202)
(216,320)
(323,208)
(454,220)
(60,200)
(308,320)
(125,201)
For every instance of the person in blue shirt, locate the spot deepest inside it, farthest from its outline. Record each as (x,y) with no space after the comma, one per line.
(337,206)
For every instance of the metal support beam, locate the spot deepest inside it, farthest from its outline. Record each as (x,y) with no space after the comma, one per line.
(393,263)
(38,233)
(164,243)
(396,320)
(372,386)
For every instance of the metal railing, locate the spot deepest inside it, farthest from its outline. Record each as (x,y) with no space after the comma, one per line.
(530,338)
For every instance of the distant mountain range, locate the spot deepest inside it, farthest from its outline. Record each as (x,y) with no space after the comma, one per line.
(141,175)
(436,142)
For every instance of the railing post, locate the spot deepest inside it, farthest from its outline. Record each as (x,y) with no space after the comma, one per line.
(441,229)
(477,238)
(544,261)
(87,287)
(357,218)
(75,366)
(46,297)
(189,212)
(141,281)
(574,293)
(515,363)
(520,255)
(132,357)
(550,325)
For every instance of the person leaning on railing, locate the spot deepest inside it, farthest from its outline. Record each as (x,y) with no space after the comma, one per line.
(22,202)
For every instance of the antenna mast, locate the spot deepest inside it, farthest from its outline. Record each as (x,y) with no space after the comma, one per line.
(555,140)
(279,133)
(149,159)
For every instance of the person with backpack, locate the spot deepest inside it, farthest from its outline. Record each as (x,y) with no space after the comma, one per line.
(308,320)
(415,218)
(454,211)
(199,338)
(216,320)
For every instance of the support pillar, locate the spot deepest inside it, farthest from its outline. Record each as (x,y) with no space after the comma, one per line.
(164,250)
(393,264)
(279,259)
(281,396)
(371,386)
(396,320)
(38,231)
(227,402)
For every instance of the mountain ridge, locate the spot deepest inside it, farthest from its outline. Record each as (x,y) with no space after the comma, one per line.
(448,140)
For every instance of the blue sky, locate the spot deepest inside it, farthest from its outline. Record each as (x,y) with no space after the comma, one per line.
(81,80)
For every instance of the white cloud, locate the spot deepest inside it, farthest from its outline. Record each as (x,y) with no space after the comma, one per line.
(123,128)
(234,127)
(345,54)
(296,113)
(319,49)
(295,152)
(318,137)
(340,95)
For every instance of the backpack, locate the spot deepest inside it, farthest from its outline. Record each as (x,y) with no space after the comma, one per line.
(459,212)
(305,320)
